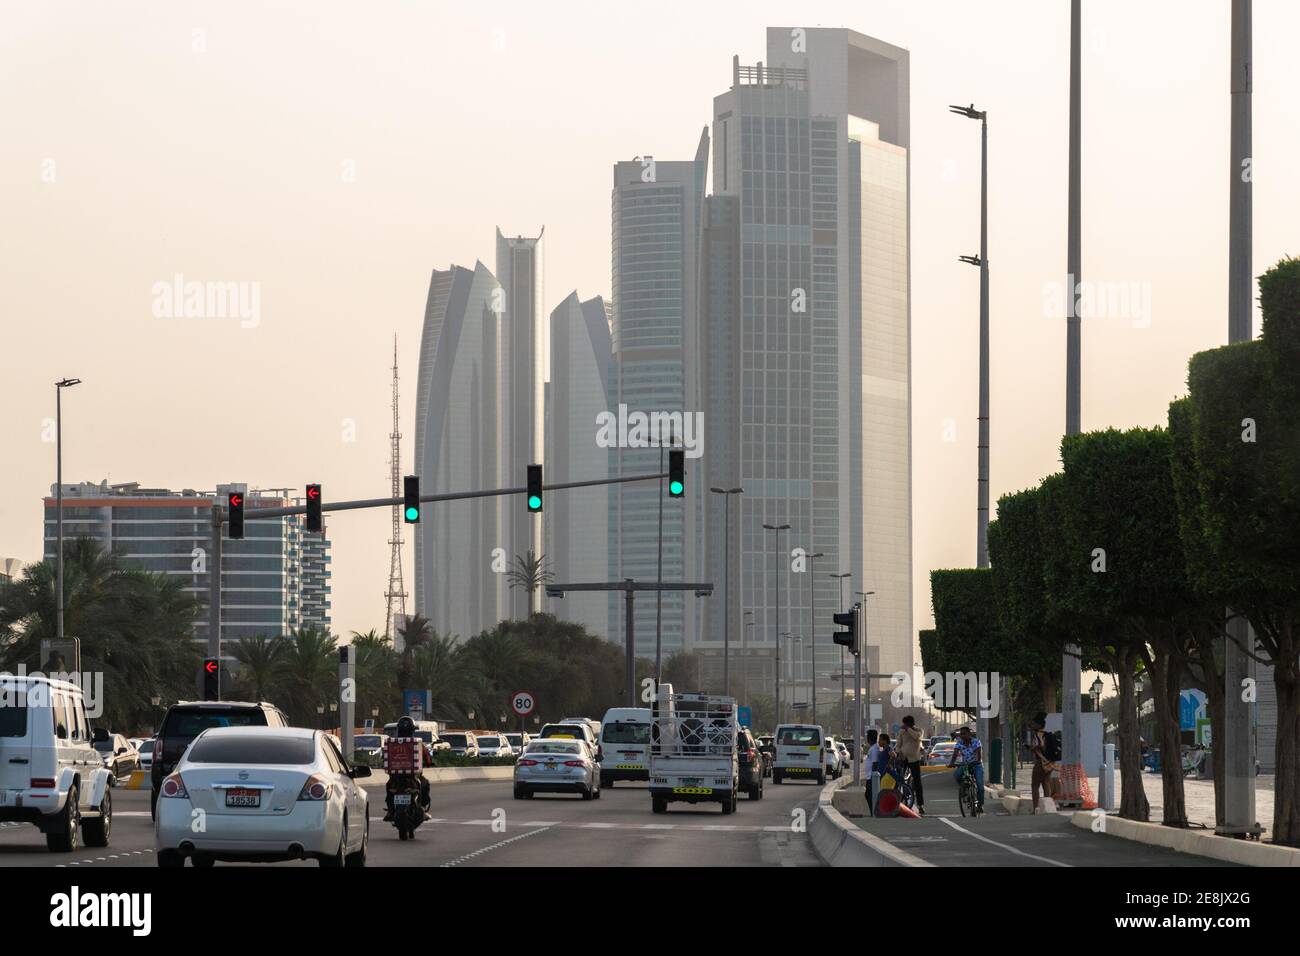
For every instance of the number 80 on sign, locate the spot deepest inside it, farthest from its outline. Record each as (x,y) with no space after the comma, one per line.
(523,703)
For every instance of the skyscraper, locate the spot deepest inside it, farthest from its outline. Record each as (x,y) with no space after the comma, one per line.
(813,148)
(458,441)
(524,370)
(656,208)
(577,521)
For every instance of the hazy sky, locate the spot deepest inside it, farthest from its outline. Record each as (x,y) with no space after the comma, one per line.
(333,153)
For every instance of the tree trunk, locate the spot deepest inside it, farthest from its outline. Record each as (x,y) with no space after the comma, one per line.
(1133,803)
(1286,677)
(1164,678)
(1047,691)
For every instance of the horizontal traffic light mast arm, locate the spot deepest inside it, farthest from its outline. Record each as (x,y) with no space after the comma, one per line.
(252,514)
(552,589)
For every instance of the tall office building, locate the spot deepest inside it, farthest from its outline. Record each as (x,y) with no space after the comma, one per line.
(524,370)
(273,581)
(811,149)
(656,207)
(577,521)
(458,447)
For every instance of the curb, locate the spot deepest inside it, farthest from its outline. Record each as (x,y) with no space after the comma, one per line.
(1196,842)
(837,842)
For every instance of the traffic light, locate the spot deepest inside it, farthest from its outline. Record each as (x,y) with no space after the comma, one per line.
(411,494)
(848,638)
(313,507)
(211,678)
(534,488)
(235,514)
(676,472)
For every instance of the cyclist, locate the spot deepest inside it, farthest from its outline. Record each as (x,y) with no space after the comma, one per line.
(971,752)
(909,750)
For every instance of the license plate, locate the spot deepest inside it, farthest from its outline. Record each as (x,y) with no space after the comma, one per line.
(548,766)
(401,799)
(243,798)
(691,781)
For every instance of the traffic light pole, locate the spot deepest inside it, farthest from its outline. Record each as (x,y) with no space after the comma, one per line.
(214,590)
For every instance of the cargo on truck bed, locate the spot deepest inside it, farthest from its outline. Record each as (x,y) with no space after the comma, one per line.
(692,750)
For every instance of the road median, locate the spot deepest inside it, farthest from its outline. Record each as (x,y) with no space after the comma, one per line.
(840,842)
(1194,841)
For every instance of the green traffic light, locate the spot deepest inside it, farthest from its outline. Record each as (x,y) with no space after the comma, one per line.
(675,487)
(412,514)
(534,503)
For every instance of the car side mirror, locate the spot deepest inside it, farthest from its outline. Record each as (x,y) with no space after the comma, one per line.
(121,750)
(360,770)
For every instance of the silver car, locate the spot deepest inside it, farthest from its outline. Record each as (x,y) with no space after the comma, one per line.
(557,766)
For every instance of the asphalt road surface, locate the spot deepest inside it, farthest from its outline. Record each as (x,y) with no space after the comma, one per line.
(479,823)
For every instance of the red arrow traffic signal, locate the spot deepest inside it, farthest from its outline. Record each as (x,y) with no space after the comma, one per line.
(313,508)
(210,666)
(235,514)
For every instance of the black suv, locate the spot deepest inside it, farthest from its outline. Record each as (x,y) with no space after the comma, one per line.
(750,761)
(186,719)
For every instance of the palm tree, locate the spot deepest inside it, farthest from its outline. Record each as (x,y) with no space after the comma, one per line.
(416,632)
(376,672)
(259,657)
(441,666)
(306,673)
(530,573)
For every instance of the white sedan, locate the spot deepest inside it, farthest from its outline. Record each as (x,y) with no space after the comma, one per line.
(263,793)
(495,746)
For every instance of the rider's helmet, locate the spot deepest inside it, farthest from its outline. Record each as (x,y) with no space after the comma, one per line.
(406,727)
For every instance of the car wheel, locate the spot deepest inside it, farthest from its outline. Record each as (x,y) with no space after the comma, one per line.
(153,803)
(776,777)
(658,805)
(596,795)
(589,793)
(202,861)
(99,830)
(336,859)
(821,777)
(359,858)
(729,804)
(605,781)
(519,792)
(63,839)
(167,858)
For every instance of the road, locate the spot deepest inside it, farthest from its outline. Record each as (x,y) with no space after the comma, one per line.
(548,830)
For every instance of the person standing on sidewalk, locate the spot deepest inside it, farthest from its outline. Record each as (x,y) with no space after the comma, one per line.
(909,749)
(873,749)
(1043,746)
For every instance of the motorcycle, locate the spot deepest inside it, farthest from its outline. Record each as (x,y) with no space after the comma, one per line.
(408,806)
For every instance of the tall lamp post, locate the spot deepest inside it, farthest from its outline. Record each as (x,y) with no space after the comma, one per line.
(59,386)
(982,260)
(776,621)
(726,587)
(744,654)
(812,624)
(843,700)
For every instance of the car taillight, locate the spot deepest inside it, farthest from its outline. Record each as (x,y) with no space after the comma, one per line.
(528,763)
(316,788)
(42,782)
(574,763)
(750,754)
(173,786)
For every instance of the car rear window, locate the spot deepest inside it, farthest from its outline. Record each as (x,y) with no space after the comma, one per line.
(13,719)
(253,749)
(147,746)
(104,746)
(367,740)
(553,747)
(629,733)
(488,742)
(800,737)
(563,731)
(191,723)
(456,740)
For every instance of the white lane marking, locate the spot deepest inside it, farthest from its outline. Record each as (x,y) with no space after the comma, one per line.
(130,813)
(1009,849)
(541,823)
(475,823)
(495,846)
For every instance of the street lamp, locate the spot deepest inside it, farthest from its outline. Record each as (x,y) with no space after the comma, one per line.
(843,698)
(726,586)
(982,260)
(812,622)
(744,654)
(776,621)
(59,386)
(320,715)
(1096,694)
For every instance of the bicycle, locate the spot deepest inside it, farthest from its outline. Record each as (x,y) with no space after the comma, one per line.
(968,793)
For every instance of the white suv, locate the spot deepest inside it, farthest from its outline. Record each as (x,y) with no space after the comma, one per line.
(50,772)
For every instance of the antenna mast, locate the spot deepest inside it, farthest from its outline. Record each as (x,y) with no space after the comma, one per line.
(396,593)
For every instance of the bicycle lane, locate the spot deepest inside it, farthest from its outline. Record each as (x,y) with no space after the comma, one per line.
(996,838)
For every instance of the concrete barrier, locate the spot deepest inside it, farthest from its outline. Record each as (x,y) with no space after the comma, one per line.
(378,778)
(838,842)
(1196,842)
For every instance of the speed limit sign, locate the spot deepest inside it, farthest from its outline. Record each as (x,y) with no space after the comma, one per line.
(524,703)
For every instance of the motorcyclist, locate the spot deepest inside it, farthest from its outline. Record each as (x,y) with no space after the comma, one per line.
(406,728)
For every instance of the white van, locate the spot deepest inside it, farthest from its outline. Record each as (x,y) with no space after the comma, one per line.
(800,753)
(624,745)
(51,775)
